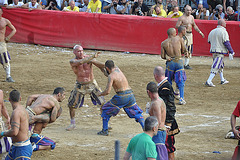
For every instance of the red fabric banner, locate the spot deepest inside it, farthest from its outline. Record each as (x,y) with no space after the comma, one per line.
(107,32)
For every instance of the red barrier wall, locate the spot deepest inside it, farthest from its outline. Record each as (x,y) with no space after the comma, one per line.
(106,32)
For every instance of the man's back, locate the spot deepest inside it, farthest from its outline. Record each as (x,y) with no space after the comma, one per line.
(120,82)
(20,117)
(142,147)
(44,103)
(173,46)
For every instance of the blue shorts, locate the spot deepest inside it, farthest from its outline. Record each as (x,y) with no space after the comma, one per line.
(175,71)
(20,150)
(125,100)
(160,137)
(43,141)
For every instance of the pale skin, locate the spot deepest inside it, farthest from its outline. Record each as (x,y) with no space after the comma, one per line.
(187,20)
(19,123)
(157,109)
(117,80)
(3,24)
(173,46)
(83,69)
(4,110)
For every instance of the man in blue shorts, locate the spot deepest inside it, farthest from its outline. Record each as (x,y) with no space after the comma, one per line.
(124,98)
(171,50)
(21,147)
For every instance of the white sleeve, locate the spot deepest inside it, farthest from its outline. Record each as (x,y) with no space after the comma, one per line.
(225,36)
(207,13)
(5,2)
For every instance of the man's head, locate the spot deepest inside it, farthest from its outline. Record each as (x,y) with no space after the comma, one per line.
(175,9)
(151,125)
(230,10)
(219,7)
(14,96)
(60,93)
(72,4)
(157,9)
(221,22)
(200,6)
(86,2)
(182,30)
(33,2)
(188,10)
(151,88)
(78,51)
(158,73)
(109,65)
(140,2)
(15,2)
(171,32)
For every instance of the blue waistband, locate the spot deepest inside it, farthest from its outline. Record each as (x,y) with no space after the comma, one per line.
(124,92)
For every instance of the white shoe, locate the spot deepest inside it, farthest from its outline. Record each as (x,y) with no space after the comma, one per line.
(209,84)
(71,127)
(182,101)
(224,82)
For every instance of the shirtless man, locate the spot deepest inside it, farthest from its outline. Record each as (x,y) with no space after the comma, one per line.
(187,20)
(21,148)
(82,66)
(4,55)
(124,98)
(158,109)
(7,142)
(171,50)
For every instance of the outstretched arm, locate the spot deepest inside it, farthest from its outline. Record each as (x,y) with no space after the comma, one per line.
(3,109)
(75,62)
(197,29)
(108,88)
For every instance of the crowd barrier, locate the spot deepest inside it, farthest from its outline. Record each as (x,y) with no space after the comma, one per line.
(107,32)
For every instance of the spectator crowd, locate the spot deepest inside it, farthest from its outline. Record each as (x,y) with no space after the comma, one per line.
(201,9)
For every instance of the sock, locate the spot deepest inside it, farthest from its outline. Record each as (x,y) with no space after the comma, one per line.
(73,121)
(35,135)
(186,61)
(7,70)
(221,76)
(181,89)
(210,78)
(35,147)
(105,123)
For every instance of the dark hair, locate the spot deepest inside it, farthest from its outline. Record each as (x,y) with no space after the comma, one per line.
(109,64)
(14,96)
(152,87)
(181,28)
(58,90)
(150,122)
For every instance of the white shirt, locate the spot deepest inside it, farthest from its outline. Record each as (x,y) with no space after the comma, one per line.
(201,16)
(2,2)
(19,4)
(217,37)
(31,6)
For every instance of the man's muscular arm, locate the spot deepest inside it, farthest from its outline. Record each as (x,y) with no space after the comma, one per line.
(75,62)
(233,124)
(9,24)
(179,22)
(100,65)
(197,29)
(15,125)
(31,99)
(183,49)
(3,109)
(108,88)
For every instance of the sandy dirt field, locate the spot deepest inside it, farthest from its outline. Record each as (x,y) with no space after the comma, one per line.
(204,120)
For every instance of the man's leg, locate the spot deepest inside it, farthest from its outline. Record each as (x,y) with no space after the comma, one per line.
(38,127)
(72,116)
